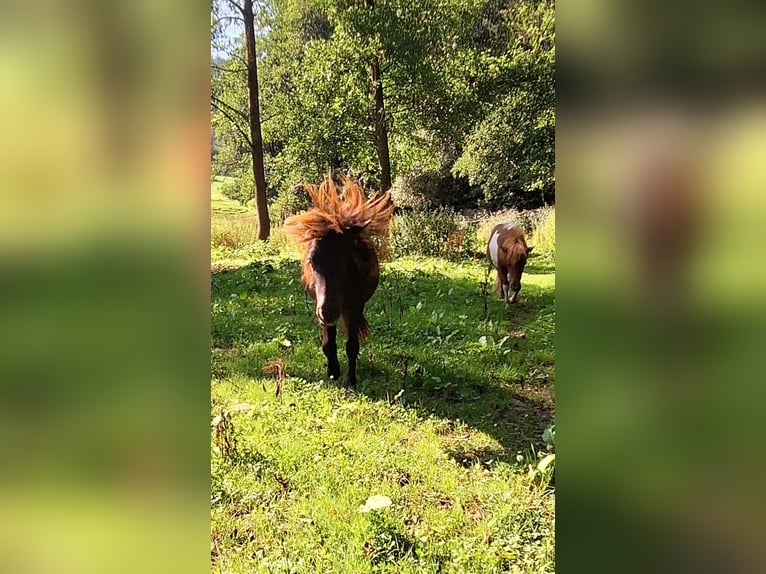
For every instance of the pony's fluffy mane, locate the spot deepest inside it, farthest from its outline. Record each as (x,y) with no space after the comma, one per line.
(336,213)
(515,245)
(517,250)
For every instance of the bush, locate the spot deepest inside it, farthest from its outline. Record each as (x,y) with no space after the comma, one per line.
(432,189)
(439,233)
(289,201)
(239,189)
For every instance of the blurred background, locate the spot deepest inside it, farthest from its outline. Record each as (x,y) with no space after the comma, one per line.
(661,303)
(103,287)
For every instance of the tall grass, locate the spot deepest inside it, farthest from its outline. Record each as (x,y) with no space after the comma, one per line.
(539,226)
(233,232)
(441,233)
(543,236)
(487,222)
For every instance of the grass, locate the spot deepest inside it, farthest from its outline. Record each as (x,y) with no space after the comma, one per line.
(454,395)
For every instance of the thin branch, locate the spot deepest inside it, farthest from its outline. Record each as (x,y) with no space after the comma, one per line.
(222,69)
(229,19)
(240,60)
(236,5)
(268,118)
(218,102)
(232,120)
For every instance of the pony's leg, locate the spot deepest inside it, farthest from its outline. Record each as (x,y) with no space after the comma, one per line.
(507,295)
(502,280)
(330,349)
(352,352)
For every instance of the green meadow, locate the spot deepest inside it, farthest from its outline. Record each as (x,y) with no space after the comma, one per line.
(451,421)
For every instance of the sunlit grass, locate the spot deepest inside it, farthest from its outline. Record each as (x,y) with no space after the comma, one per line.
(454,395)
(452,400)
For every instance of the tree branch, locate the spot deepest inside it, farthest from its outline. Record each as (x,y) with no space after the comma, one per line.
(218,105)
(229,19)
(222,69)
(218,102)
(237,6)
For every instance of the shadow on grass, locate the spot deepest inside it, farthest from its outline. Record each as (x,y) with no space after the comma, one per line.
(432,347)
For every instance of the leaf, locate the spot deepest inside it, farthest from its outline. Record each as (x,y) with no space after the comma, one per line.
(545,462)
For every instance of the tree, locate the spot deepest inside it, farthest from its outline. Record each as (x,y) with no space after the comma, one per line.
(327,66)
(379,118)
(510,151)
(455,94)
(232,113)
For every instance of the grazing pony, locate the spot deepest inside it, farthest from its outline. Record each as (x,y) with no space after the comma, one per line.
(507,252)
(340,264)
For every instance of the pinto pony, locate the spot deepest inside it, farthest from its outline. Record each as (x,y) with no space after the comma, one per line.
(507,252)
(340,263)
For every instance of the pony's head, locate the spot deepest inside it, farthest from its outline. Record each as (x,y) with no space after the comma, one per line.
(335,234)
(517,260)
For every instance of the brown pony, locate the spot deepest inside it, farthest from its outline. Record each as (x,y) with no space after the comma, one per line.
(340,264)
(507,252)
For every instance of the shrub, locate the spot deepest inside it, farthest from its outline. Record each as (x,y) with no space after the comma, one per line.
(239,189)
(432,189)
(439,233)
(289,201)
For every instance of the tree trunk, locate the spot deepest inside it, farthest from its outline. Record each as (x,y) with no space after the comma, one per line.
(379,119)
(259,177)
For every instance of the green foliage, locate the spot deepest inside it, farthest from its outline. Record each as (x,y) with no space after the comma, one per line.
(240,189)
(431,189)
(510,151)
(468,88)
(289,201)
(438,233)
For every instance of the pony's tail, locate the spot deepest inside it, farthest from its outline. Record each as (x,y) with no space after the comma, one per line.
(363,328)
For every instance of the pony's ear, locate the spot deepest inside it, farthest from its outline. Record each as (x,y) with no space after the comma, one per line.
(529,250)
